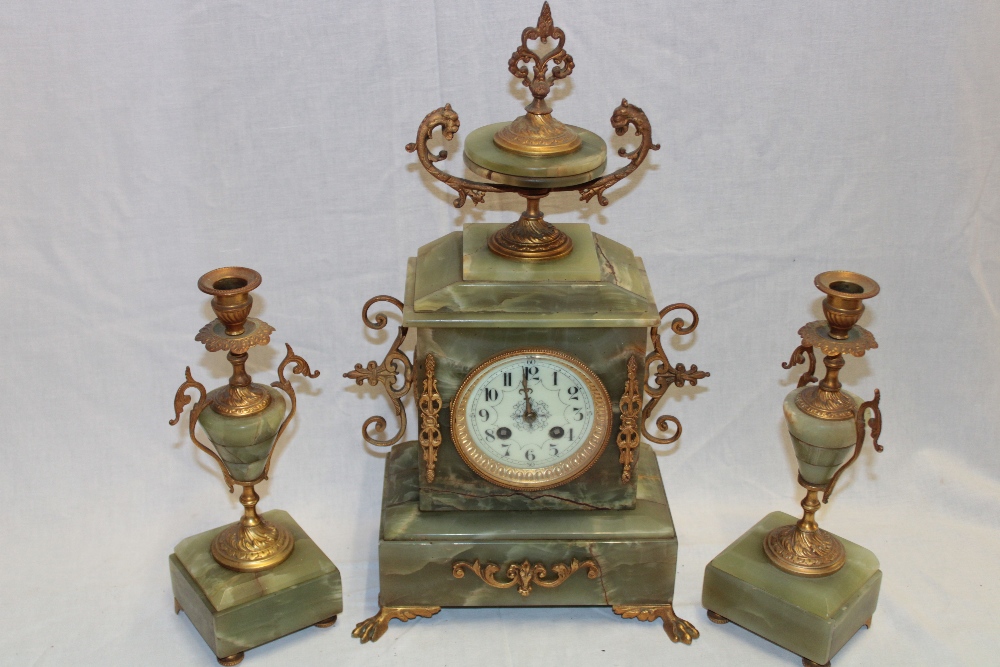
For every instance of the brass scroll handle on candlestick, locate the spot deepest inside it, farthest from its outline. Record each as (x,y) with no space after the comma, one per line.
(180,400)
(875,424)
(387,374)
(799,357)
(664,374)
(301,367)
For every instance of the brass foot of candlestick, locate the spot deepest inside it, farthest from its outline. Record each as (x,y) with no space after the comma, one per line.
(806,549)
(718,619)
(231,660)
(327,622)
(252,544)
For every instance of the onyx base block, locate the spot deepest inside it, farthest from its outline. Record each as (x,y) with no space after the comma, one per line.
(635,550)
(237,611)
(811,617)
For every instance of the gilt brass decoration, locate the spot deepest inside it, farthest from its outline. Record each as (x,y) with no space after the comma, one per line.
(625,114)
(372,629)
(666,374)
(538,133)
(531,237)
(252,544)
(213,335)
(541,478)
(430,405)
(799,357)
(524,575)
(387,374)
(676,627)
(628,431)
(805,549)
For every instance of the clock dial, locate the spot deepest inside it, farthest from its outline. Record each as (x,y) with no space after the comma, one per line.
(531,419)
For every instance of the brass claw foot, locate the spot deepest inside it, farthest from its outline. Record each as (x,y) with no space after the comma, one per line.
(676,627)
(230,660)
(717,618)
(371,629)
(325,623)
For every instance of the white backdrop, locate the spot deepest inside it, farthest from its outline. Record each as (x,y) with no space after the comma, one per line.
(144,143)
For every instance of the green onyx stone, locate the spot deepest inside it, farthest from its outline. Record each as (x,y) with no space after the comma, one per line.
(456,282)
(237,611)
(812,617)
(487,159)
(458,351)
(821,445)
(244,442)
(635,551)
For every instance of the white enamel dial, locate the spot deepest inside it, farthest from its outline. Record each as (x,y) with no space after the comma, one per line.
(531,418)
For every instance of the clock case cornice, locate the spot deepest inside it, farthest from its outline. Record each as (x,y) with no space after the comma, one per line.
(456,282)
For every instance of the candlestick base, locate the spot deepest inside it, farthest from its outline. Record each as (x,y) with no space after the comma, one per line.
(237,611)
(812,617)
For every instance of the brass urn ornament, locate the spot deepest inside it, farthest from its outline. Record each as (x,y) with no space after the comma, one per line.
(526,487)
(535,154)
(827,426)
(244,421)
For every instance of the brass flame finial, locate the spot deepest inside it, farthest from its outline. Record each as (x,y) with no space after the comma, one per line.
(538,133)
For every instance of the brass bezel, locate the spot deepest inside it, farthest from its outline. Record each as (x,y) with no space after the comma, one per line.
(533,479)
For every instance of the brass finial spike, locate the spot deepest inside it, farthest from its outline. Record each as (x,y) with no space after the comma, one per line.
(537,133)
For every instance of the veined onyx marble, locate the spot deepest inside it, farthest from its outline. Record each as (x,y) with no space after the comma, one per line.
(237,611)
(812,617)
(636,550)
(457,351)
(438,294)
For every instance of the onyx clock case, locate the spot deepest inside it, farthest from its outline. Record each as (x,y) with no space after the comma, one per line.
(572,512)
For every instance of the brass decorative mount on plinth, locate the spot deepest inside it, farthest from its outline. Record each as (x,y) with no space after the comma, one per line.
(559,158)
(252,544)
(804,548)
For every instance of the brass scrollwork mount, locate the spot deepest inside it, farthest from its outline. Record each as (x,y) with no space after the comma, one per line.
(525,574)
(387,374)
(664,375)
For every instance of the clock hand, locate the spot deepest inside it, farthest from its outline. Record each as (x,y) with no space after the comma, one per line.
(529,414)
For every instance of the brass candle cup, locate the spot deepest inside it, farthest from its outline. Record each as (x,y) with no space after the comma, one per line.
(825,423)
(843,305)
(243,419)
(230,288)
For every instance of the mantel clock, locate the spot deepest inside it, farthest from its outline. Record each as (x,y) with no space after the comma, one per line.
(528,485)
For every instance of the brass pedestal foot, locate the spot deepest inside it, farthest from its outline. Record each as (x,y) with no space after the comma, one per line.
(371,629)
(717,618)
(806,662)
(327,622)
(231,660)
(676,627)
(177,606)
